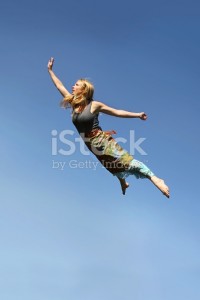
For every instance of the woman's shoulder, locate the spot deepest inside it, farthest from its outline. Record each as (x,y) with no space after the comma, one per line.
(95,106)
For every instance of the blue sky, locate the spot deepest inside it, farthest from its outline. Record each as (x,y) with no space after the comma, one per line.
(70,234)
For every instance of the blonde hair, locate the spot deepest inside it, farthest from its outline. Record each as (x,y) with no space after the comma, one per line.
(82,99)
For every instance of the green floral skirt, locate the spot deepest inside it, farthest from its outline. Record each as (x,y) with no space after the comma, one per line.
(113,157)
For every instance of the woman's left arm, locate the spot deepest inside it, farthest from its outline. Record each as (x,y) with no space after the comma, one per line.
(101,107)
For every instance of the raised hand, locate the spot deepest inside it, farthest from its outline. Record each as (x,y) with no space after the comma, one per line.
(50,63)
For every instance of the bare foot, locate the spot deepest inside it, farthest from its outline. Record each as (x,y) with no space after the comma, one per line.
(160,184)
(124,186)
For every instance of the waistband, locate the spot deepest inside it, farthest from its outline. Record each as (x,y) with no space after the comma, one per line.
(96,131)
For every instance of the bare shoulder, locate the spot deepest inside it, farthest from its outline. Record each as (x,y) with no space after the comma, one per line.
(101,107)
(95,107)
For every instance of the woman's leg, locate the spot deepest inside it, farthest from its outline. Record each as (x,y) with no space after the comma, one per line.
(124,185)
(144,171)
(160,184)
(140,170)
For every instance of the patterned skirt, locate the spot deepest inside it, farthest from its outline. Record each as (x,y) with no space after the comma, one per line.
(113,157)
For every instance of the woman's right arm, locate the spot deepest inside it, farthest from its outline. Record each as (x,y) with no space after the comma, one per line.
(59,85)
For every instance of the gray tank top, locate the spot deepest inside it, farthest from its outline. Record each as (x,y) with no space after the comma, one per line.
(85,121)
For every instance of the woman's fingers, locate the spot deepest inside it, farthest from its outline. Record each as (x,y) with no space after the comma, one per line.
(50,63)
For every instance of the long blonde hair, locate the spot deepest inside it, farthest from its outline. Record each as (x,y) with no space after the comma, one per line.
(81,100)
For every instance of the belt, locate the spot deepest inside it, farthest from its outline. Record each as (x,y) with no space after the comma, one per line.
(95,131)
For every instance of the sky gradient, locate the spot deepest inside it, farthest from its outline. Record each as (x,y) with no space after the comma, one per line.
(71,234)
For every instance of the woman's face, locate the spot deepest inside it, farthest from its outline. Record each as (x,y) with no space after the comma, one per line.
(77,88)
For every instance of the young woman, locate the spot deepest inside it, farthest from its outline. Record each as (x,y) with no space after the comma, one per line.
(85,113)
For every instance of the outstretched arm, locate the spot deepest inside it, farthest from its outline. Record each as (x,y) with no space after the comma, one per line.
(64,92)
(101,107)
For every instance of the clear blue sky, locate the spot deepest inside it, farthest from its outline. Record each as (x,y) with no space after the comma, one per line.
(71,234)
